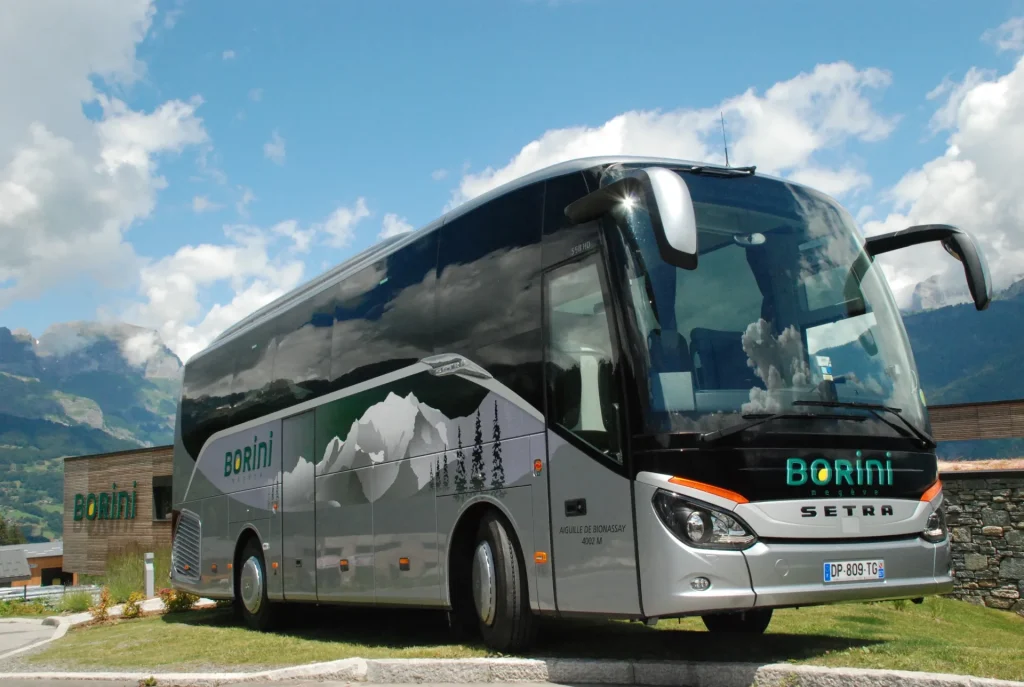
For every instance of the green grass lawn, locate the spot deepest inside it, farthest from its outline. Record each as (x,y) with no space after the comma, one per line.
(941,635)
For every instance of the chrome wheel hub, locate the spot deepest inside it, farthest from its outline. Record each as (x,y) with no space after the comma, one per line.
(484,583)
(252,585)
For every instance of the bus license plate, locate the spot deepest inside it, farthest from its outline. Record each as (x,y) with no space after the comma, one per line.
(855,571)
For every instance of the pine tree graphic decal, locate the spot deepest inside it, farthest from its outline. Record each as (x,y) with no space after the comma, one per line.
(444,472)
(497,467)
(478,477)
(460,466)
(433,477)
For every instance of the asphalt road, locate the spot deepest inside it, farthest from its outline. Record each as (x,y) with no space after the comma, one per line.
(16,633)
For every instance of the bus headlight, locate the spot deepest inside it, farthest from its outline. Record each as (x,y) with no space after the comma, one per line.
(701,525)
(935,528)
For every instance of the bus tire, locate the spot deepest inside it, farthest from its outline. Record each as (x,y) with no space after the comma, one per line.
(754,621)
(499,588)
(251,589)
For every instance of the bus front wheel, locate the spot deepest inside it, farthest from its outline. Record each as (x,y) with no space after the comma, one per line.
(499,588)
(754,621)
(251,588)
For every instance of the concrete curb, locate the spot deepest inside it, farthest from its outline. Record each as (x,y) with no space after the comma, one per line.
(570,671)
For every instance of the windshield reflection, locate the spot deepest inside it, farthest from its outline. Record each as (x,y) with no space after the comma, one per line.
(783,306)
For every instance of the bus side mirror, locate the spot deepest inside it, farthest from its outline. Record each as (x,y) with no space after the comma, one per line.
(956,242)
(664,195)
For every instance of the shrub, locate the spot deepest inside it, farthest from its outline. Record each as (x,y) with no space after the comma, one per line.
(21,608)
(176,601)
(132,608)
(99,611)
(75,602)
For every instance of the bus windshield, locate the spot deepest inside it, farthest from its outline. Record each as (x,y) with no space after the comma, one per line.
(784,306)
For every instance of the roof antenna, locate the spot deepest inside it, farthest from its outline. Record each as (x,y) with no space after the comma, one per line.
(725,142)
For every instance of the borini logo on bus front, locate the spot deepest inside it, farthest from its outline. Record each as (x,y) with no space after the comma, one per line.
(249,458)
(855,473)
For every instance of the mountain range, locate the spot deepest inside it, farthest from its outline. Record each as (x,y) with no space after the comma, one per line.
(91,387)
(80,388)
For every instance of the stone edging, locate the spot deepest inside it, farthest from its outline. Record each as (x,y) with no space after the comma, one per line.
(569,671)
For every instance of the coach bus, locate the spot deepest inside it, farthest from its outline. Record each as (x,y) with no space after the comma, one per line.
(619,387)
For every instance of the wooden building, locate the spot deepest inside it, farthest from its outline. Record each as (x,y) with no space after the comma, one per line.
(115,502)
(45,563)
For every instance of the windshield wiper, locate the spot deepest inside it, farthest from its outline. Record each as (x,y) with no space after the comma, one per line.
(761,418)
(874,408)
(720,171)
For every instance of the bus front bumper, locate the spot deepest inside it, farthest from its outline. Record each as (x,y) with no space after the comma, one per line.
(680,580)
(793,574)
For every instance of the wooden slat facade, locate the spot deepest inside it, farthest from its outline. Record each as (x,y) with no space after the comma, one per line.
(87,543)
(968,421)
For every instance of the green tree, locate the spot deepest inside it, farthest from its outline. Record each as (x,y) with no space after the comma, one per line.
(477,476)
(10,533)
(460,466)
(497,465)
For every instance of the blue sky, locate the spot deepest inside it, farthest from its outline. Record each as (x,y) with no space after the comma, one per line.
(373,101)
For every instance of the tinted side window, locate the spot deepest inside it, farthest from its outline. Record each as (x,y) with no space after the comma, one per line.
(253,356)
(560,192)
(489,289)
(303,358)
(206,397)
(384,315)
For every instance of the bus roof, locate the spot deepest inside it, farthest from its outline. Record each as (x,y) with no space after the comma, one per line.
(389,245)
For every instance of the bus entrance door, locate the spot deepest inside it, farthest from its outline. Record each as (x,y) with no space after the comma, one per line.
(298,545)
(592,526)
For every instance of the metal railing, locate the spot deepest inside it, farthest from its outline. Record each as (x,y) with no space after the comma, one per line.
(49,592)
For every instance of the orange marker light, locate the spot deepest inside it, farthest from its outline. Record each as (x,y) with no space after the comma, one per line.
(538,466)
(932,491)
(403,563)
(540,557)
(213,567)
(274,565)
(343,564)
(187,567)
(229,566)
(709,489)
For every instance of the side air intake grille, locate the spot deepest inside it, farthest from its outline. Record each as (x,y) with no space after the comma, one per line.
(186,553)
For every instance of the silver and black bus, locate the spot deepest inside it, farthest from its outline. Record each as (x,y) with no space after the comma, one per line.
(618,387)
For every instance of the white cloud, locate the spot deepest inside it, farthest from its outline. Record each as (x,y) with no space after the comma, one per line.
(70,186)
(274,149)
(439,174)
(242,206)
(203,204)
(228,55)
(141,347)
(782,132)
(256,95)
(1009,35)
(975,185)
(340,225)
(301,238)
(172,287)
(252,263)
(394,225)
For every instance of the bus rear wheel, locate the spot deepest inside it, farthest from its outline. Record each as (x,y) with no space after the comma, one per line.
(251,589)
(499,588)
(754,621)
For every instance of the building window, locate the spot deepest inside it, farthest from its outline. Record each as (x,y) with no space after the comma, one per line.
(161,498)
